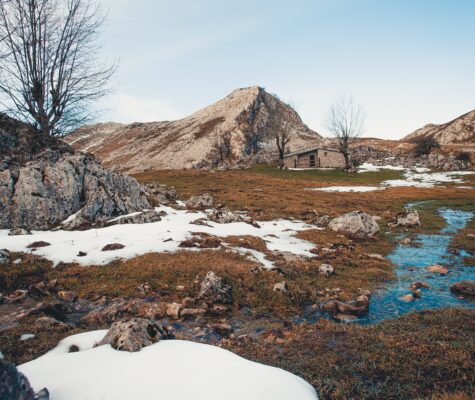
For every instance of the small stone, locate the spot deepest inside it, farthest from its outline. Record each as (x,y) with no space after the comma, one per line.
(200,202)
(345,317)
(113,246)
(190,313)
(419,285)
(19,232)
(48,323)
(82,254)
(408,219)
(4,257)
(38,244)
(174,310)
(188,302)
(67,295)
(281,287)
(439,269)
(464,288)
(326,270)
(376,256)
(180,288)
(222,329)
(417,294)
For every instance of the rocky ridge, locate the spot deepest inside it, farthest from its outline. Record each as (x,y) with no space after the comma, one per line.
(461,130)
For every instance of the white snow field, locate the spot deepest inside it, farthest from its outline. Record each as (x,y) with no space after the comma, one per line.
(170,369)
(161,236)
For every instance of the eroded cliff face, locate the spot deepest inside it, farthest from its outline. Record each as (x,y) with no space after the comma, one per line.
(43,182)
(237,129)
(458,131)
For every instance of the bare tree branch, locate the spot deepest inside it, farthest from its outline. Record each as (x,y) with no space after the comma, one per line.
(49,68)
(345,120)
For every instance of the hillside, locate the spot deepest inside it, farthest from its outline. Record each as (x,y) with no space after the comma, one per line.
(458,131)
(241,123)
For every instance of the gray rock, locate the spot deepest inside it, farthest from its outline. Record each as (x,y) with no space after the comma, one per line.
(134,334)
(215,290)
(14,385)
(355,223)
(281,287)
(326,270)
(44,193)
(225,216)
(160,194)
(19,232)
(200,202)
(144,218)
(408,219)
(4,257)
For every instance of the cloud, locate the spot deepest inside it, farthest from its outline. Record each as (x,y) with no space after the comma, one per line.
(126,108)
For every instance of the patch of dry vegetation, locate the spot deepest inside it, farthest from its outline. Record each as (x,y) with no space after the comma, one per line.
(427,355)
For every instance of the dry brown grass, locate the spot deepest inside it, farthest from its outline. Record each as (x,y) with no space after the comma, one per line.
(269,193)
(424,355)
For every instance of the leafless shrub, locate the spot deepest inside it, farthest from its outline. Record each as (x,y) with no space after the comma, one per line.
(345,120)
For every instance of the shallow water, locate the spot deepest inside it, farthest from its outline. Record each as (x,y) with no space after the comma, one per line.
(410,265)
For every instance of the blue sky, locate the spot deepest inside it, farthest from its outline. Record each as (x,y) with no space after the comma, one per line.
(407,63)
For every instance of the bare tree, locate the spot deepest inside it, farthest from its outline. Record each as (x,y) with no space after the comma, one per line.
(50,71)
(283,135)
(345,120)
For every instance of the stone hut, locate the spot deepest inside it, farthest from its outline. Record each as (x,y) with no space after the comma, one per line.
(317,157)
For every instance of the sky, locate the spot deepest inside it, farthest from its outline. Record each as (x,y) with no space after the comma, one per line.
(406,62)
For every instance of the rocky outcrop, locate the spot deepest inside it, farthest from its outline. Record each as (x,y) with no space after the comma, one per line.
(43,193)
(235,131)
(356,223)
(461,130)
(407,159)
(134,334)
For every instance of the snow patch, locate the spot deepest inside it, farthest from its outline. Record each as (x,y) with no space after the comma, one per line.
(348,189)
(140,239)
(170,369)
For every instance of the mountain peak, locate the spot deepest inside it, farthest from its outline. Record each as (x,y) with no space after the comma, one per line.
(242,121)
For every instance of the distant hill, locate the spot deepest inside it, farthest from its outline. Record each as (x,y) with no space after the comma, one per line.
(240,121)
(458,131)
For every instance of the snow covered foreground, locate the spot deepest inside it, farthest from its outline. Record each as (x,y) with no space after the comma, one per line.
(171,370)
(161,236)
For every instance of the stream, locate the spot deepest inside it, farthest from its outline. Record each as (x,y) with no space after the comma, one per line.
(410,262)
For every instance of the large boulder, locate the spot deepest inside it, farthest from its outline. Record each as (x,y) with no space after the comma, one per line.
(134,334)
(355,223)
(43,193)
(215,290)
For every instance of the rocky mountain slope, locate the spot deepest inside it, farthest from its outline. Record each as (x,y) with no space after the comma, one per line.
(458,131)
(236,129)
